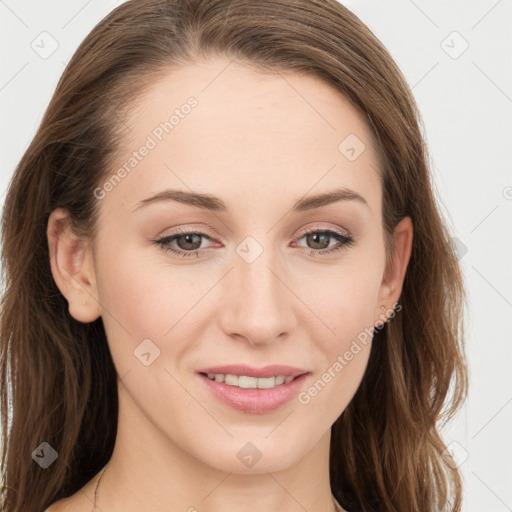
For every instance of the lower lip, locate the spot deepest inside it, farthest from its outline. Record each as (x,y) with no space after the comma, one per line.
(255,401)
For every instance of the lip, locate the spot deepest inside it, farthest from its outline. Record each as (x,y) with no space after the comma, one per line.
(254,401)
(267,371)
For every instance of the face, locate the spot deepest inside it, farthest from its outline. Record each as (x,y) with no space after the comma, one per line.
(259,276)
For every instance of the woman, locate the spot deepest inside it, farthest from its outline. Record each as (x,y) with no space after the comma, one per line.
(228,284)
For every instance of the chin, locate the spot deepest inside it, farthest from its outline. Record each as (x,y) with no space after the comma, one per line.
(254,457)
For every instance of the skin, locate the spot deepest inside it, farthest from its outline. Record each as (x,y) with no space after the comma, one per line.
(177,445)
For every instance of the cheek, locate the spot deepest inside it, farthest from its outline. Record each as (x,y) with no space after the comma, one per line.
(143,299)
(346,306)
(343,293)
(343,297)
(139,283)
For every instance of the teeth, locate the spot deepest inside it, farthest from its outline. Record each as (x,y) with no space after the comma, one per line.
(246,382)
(232,380)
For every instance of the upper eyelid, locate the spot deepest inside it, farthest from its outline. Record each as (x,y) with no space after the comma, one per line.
(210,232)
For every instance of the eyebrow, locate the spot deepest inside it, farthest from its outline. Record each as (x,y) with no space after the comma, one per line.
(215,204)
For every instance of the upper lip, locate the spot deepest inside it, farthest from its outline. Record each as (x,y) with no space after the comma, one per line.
(249,371)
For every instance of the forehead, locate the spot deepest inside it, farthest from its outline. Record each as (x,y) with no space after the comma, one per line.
(260,133)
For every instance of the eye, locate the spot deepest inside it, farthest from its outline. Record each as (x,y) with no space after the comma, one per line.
(189,243)
(319,239)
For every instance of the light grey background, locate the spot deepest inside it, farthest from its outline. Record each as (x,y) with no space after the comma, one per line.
(466,102)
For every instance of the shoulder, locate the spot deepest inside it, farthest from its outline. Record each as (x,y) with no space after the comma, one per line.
(72,504)
(60,506)
(81,501)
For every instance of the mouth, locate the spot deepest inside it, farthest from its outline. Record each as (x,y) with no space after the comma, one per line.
(254,395)
(247,382)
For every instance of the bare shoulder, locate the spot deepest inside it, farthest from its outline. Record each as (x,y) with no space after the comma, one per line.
(56,507)
(68,505)
(59,506)
(79,502)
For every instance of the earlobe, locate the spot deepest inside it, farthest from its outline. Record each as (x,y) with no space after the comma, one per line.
(394,275)
(72,268)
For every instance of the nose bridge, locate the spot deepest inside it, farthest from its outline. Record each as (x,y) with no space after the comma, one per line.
(258,282)
(258,302)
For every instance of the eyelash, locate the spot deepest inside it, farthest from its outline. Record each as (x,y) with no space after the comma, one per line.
(344,242)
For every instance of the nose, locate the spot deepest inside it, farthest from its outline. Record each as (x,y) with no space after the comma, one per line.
(257,303)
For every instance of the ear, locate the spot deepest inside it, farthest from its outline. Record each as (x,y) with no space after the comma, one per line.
(72,267)
(394,274)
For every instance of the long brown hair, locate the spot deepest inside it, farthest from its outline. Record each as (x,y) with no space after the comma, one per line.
(58,381)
